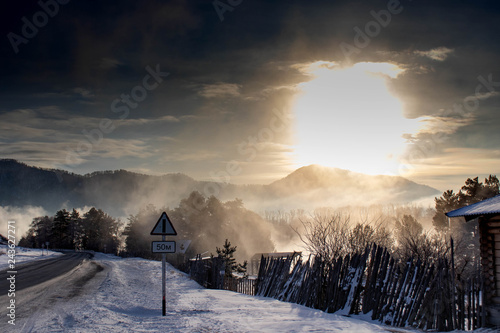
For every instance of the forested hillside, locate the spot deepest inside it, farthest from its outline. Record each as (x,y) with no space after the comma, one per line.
(121,192)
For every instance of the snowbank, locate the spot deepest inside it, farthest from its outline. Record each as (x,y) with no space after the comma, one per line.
(126,297)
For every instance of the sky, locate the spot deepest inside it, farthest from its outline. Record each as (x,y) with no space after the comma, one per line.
(248,91)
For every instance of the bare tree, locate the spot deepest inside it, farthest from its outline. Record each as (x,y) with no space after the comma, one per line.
(414,242)
(325,235)
(367,234)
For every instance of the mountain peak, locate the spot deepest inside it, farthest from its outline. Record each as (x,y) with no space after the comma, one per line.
(329,182)
(314,176)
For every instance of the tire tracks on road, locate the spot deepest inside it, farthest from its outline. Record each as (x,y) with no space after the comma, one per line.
(50,296)
(33,273)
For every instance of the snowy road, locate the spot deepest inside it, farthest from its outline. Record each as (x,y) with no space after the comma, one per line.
(35,272)
(125,296)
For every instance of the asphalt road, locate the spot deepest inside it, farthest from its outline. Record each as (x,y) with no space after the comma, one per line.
(35,272)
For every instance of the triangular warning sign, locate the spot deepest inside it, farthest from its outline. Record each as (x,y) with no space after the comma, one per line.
(163,226)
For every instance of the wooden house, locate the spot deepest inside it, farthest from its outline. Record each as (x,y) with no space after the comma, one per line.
(487,214)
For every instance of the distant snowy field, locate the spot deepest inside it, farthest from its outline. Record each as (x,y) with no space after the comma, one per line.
(24,255)
(126,297)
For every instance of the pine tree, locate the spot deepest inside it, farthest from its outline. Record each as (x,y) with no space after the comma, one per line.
(230,265)
(491,186)
(60,230)
(447,202)
(100,231)
(473,191)
(137,231)
(76,231)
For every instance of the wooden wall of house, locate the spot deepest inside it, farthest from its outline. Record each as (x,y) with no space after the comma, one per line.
(489,228)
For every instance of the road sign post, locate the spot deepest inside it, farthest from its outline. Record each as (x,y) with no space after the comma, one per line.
(163,281)
(163,227)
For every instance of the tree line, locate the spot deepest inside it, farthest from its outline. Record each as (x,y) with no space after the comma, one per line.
(207,222)
(473,191)
(331,234)
(95,230)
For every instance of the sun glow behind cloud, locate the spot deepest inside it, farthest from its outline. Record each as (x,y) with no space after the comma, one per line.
(347,118)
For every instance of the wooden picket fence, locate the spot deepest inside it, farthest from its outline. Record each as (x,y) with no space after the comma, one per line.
(416,294)
(240,285)
(209,272)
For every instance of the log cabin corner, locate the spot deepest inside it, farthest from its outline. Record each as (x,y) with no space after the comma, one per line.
(487,214)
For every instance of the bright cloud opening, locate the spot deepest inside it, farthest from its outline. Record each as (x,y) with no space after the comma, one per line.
(347,118)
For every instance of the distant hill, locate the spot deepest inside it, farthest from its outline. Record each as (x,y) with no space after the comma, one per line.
(113,191)
(338,187)
(122,192)
(316,177)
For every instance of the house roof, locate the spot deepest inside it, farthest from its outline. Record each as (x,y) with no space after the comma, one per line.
(488,206)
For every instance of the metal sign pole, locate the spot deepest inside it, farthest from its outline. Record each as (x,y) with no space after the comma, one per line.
(163,282)
(163,227)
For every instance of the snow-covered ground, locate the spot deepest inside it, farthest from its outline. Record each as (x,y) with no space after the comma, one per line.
(126,297)
(24,255)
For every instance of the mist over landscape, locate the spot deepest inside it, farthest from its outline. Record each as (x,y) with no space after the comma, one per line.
(332,154)
(28,192)
(122,192)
